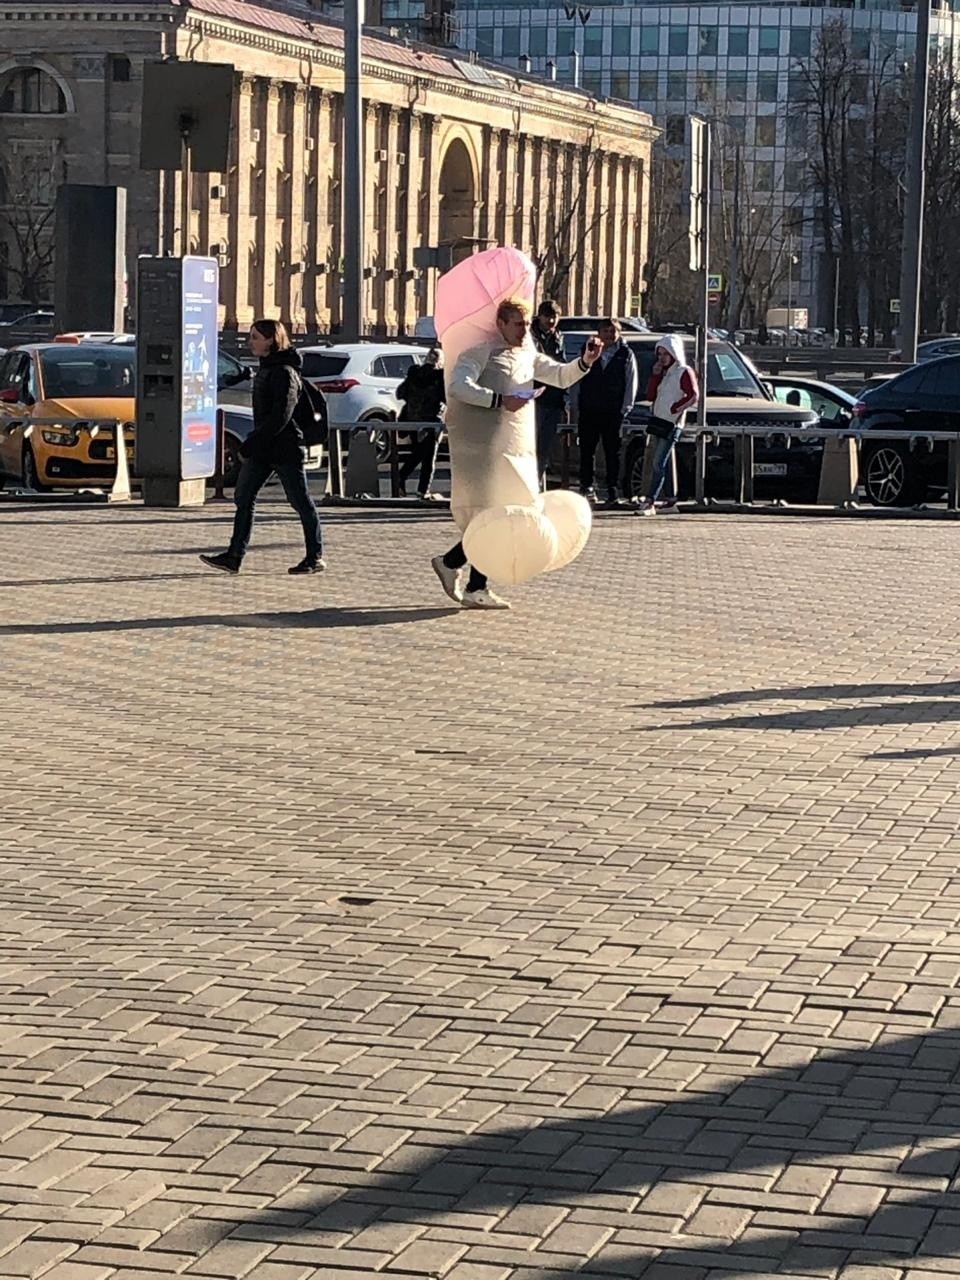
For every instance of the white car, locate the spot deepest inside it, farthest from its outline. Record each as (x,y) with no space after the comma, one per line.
(359,380)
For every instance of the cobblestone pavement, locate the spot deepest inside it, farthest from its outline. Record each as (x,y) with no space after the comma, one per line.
(345,934)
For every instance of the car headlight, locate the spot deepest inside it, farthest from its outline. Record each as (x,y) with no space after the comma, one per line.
(64,436)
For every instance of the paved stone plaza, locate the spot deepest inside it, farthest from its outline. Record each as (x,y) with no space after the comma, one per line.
(347,934)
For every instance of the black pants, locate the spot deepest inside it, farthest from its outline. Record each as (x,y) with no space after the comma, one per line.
(254,474)
(456,558)
(423,450)
(605,430)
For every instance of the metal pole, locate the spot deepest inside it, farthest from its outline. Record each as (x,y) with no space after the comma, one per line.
(351,319)
(186,179)
(786,340)
(733,265)
(836,302)
(913,205)
(706,197)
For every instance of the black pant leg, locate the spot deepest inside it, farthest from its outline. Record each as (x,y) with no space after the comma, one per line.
(588,433)
(611,451)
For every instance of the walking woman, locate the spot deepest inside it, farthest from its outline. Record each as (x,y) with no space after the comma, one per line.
(275,444)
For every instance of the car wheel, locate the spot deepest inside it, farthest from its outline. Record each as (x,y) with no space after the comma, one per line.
(633,468)
(231,460)
(31,477)
(381,439)
(890,476)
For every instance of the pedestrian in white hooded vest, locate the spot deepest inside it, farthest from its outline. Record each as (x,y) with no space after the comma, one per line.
(672,390)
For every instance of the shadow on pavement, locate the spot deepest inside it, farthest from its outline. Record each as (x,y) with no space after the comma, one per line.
(820,692)
(850,1157)
(864,714)
(320,618)
(85,582)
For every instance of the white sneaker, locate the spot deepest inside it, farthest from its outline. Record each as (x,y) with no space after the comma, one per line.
(646,509)
(484,599)
(449,579)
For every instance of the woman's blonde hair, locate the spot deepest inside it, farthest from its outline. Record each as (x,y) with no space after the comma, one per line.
(274,331)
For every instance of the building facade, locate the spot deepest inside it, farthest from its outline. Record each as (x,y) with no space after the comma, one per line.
(457,155)
(740,64)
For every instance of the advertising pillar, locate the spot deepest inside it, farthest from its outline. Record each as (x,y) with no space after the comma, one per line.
(177,337)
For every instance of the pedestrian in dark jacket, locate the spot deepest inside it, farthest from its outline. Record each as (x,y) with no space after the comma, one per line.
(274,445)
(602,401)
(423,394)
(551,404)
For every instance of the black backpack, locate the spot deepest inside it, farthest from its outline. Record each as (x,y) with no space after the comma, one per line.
(310,415)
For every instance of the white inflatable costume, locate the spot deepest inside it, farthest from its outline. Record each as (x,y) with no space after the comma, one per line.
(511,531)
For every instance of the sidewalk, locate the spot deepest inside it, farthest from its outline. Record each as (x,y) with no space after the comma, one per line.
(347,934)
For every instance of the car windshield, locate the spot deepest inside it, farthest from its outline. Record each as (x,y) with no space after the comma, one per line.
(104,372)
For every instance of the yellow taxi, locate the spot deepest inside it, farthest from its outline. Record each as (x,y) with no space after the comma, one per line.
(59,405)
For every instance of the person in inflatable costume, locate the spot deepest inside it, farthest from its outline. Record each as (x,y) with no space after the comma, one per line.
(493,456)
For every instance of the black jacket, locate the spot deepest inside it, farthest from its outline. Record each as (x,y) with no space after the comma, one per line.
(549,344)
(276,390)
(423,393)
(600,394)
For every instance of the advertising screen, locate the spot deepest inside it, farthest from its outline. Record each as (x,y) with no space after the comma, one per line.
(198,437)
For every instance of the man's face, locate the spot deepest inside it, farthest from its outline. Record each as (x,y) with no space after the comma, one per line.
(609,333)
(513,329)
(547,323)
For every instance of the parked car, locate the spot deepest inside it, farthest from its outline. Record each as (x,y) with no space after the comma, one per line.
(925,397)
(735,397)
(79,382)
(72,385)
(30,325)
(359,380)
(947,345)
(10,312)
(237,425)
(832,405)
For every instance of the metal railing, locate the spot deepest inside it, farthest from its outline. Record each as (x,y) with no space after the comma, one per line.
(837,473)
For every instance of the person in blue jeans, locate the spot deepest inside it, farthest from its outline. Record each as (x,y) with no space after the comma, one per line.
(672,390)
(274,445)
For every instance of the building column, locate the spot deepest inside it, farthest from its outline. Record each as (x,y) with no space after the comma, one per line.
(430,207)
(389,233)
(234,281)
(295,248)
(370,266)
(613,227)
(489,187)
(509,203)
(410,181)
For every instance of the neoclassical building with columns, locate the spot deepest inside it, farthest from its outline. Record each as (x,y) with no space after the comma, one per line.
(458,154)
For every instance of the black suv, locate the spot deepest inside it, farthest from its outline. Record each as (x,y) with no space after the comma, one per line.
(926,397)
(782,468)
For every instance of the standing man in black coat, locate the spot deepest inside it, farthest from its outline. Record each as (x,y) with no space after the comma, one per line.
(551,405)
(275,444)
(603,399)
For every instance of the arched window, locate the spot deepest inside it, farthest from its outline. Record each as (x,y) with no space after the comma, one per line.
(30,91)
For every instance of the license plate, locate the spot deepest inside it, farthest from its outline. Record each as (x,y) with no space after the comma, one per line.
(769,468)
(112,453)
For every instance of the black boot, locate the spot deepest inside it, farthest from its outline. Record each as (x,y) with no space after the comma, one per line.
(226,562)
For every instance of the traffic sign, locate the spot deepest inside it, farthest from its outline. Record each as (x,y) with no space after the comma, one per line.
(714,283)
(713,299)
(894,306)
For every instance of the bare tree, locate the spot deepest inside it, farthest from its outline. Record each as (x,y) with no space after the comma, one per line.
(559,236)
(668,229)
(27,224)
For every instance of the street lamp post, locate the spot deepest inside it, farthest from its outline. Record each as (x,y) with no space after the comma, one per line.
(351,318)
(913,205)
